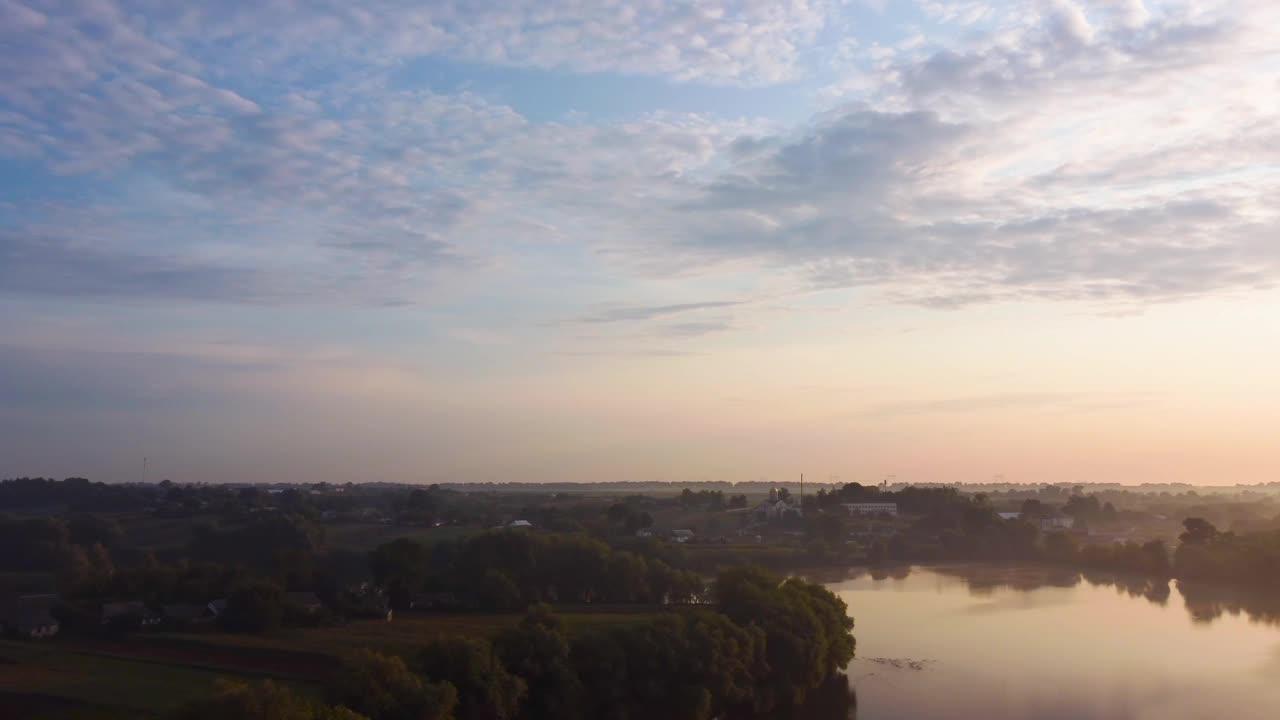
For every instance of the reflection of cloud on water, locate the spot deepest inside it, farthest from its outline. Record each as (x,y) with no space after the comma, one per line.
(1018,602)
(1271,667)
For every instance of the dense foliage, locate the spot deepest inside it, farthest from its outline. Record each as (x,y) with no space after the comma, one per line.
(766,644)
(1206,553)
(264,701)
(510,569)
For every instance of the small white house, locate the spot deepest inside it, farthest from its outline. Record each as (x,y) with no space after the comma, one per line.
(1009,515)
(682,536)
(519,524)
(30,623)
(1057,523)
(872,508)
(778,506)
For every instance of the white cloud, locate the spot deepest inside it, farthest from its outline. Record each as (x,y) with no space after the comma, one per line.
(1080,151)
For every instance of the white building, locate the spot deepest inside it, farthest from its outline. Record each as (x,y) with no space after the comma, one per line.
(778,507)
(872,508)
(1057,523)
(1009,515)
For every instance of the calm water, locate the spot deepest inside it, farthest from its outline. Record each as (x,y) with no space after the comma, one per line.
(990,643)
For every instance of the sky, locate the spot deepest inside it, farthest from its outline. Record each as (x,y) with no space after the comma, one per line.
(557,240)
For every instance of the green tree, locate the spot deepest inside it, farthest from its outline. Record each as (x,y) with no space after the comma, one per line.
(496,591)
(264,701)
(538,652)
(486,690)
(1198,531)
(383,688)
(807,629)
(401,567)
(253,606)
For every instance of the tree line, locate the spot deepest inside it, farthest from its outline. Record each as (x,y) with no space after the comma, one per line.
(766,646)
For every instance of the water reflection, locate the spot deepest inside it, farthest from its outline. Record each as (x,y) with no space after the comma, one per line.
(970,642)
(1204,603)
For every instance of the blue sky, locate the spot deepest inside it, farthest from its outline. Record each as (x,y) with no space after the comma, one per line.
(426,241)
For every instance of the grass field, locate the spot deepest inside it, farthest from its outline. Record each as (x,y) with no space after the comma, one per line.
(58,680)
(367,536)
(147,674)
(401,636)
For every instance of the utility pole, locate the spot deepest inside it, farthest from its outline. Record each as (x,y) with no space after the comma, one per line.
(144,469)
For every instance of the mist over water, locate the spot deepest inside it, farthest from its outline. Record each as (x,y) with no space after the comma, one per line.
(966,643)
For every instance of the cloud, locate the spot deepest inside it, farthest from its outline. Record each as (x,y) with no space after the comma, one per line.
(56,266)
(651,312)
(1020,165)
(1031,401)
(721,41)
(1065,151)
(696,329)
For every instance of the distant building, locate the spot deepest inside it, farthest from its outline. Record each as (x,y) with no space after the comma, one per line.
(644,533)
(519,524)
(308,601)
(129,612)
(29,623)
(872,508)
(1009,515)
(777,507)
(28,616)
(682,536)
(1057,523)
(183,614)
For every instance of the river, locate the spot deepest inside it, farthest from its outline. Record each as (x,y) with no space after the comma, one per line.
(971,642)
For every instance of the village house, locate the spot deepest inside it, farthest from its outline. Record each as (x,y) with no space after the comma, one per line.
(28,616)
(308,601)
(777,507)
(129,613)
(1057,523)
(182,615)
(872,508)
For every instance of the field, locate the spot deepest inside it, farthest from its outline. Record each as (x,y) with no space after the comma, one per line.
(56,679)
(367,536)
(401,636)
(146,674)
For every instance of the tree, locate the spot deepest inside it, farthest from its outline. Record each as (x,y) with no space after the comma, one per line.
(1198,531)
(829,526)
(253,606)
(383,688)
(264,701)
(538,652)
(1033,509)
(1060,547)
(486,690)
(807,629)
(401,567)
(498,592)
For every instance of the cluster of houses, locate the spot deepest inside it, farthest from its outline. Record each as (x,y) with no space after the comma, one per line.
(872,508)
(28,616)
(1050,524)
(683,535)
(31,616)
(137,614)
